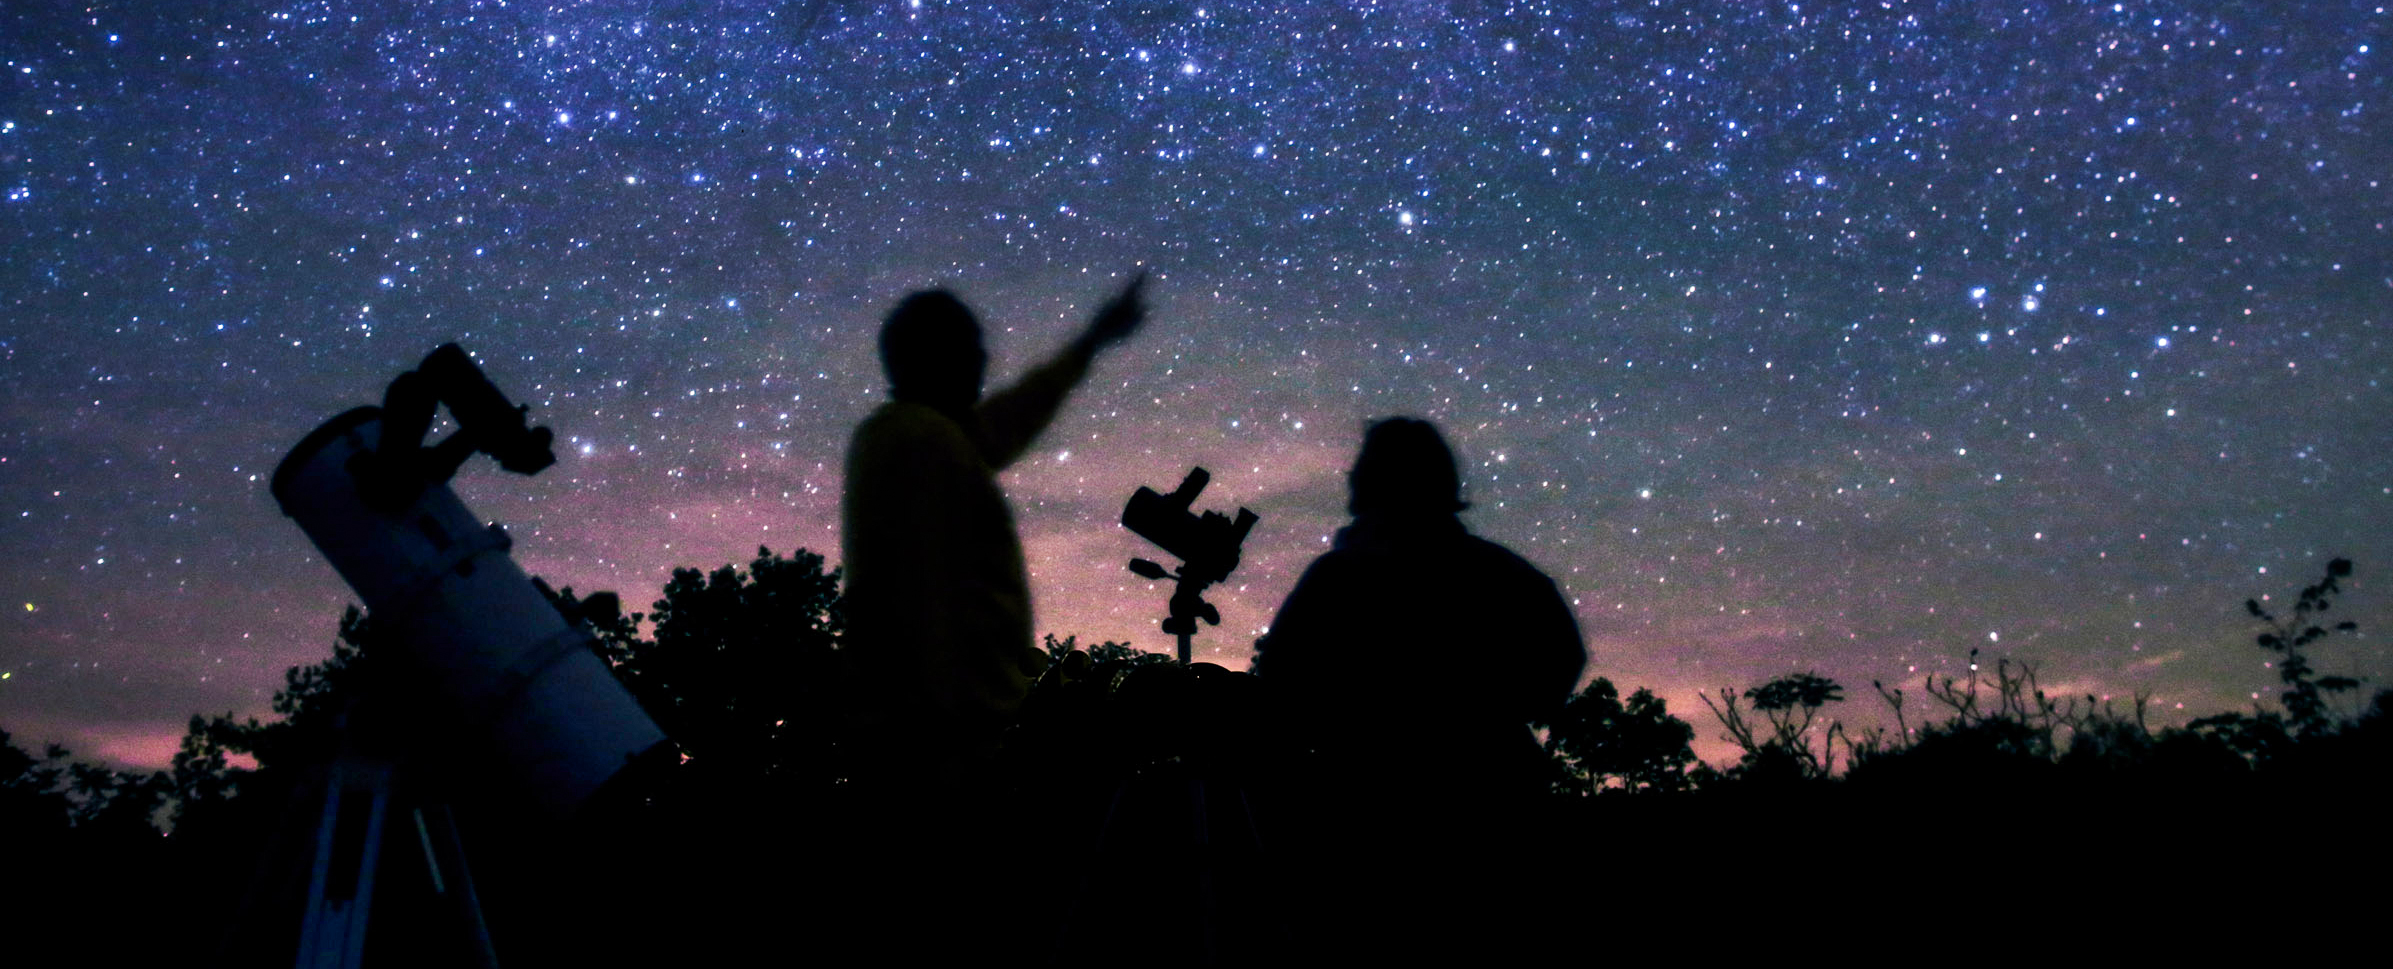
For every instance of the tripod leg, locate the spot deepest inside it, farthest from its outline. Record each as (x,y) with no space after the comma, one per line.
(340,891)
(436,830)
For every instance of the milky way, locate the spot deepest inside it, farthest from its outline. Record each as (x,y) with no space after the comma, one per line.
(1844,337)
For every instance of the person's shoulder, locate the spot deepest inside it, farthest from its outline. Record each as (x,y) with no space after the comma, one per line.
(899,419)
(1494,557)
(898,411)
(902,442)
(1330,562)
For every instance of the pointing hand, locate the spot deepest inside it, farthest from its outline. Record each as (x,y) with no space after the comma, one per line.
(1120,316)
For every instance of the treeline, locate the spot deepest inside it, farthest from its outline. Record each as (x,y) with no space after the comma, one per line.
(1993,727)
(1983,777)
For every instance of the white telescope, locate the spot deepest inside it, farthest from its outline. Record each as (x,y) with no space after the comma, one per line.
(517,676)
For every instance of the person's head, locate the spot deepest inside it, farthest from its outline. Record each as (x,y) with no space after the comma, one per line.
(1405,468)
(931,350)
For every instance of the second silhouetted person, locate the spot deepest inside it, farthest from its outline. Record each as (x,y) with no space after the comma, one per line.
(1414,646)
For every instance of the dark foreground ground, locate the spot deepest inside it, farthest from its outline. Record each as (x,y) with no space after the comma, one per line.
(1168,869)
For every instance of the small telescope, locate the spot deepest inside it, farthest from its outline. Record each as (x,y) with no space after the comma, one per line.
(1207,546)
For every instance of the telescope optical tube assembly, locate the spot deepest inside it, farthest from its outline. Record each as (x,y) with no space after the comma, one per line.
(522,679)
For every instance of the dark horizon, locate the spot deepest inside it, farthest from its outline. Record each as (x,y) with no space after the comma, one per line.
(1784,339)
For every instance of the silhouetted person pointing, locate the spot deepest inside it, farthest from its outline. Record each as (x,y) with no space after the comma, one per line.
(938,597)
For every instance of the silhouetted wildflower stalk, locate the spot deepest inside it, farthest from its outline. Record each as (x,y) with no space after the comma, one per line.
(2304,696)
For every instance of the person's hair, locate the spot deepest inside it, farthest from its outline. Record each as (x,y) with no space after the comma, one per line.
(919,331)
(1405,467)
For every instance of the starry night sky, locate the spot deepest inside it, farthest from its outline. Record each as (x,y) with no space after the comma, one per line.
(1843,337)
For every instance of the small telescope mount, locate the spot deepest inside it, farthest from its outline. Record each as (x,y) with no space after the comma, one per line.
(1206,545)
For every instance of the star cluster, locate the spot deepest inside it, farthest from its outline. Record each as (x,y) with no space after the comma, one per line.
(1787,336)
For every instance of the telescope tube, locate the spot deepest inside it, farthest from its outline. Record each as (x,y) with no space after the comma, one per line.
(520,676)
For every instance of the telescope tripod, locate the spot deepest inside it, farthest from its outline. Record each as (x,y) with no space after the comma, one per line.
(361,803)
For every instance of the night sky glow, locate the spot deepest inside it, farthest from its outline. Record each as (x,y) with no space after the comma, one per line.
(1787,336)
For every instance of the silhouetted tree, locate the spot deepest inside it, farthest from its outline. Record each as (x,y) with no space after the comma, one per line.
(1789,705)
(742,667)
(205,777)
(82,856)
(55,793)
(1106,652)
(33,796)
(1597,740)
(1072,727)
(741,670)
(117,804)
